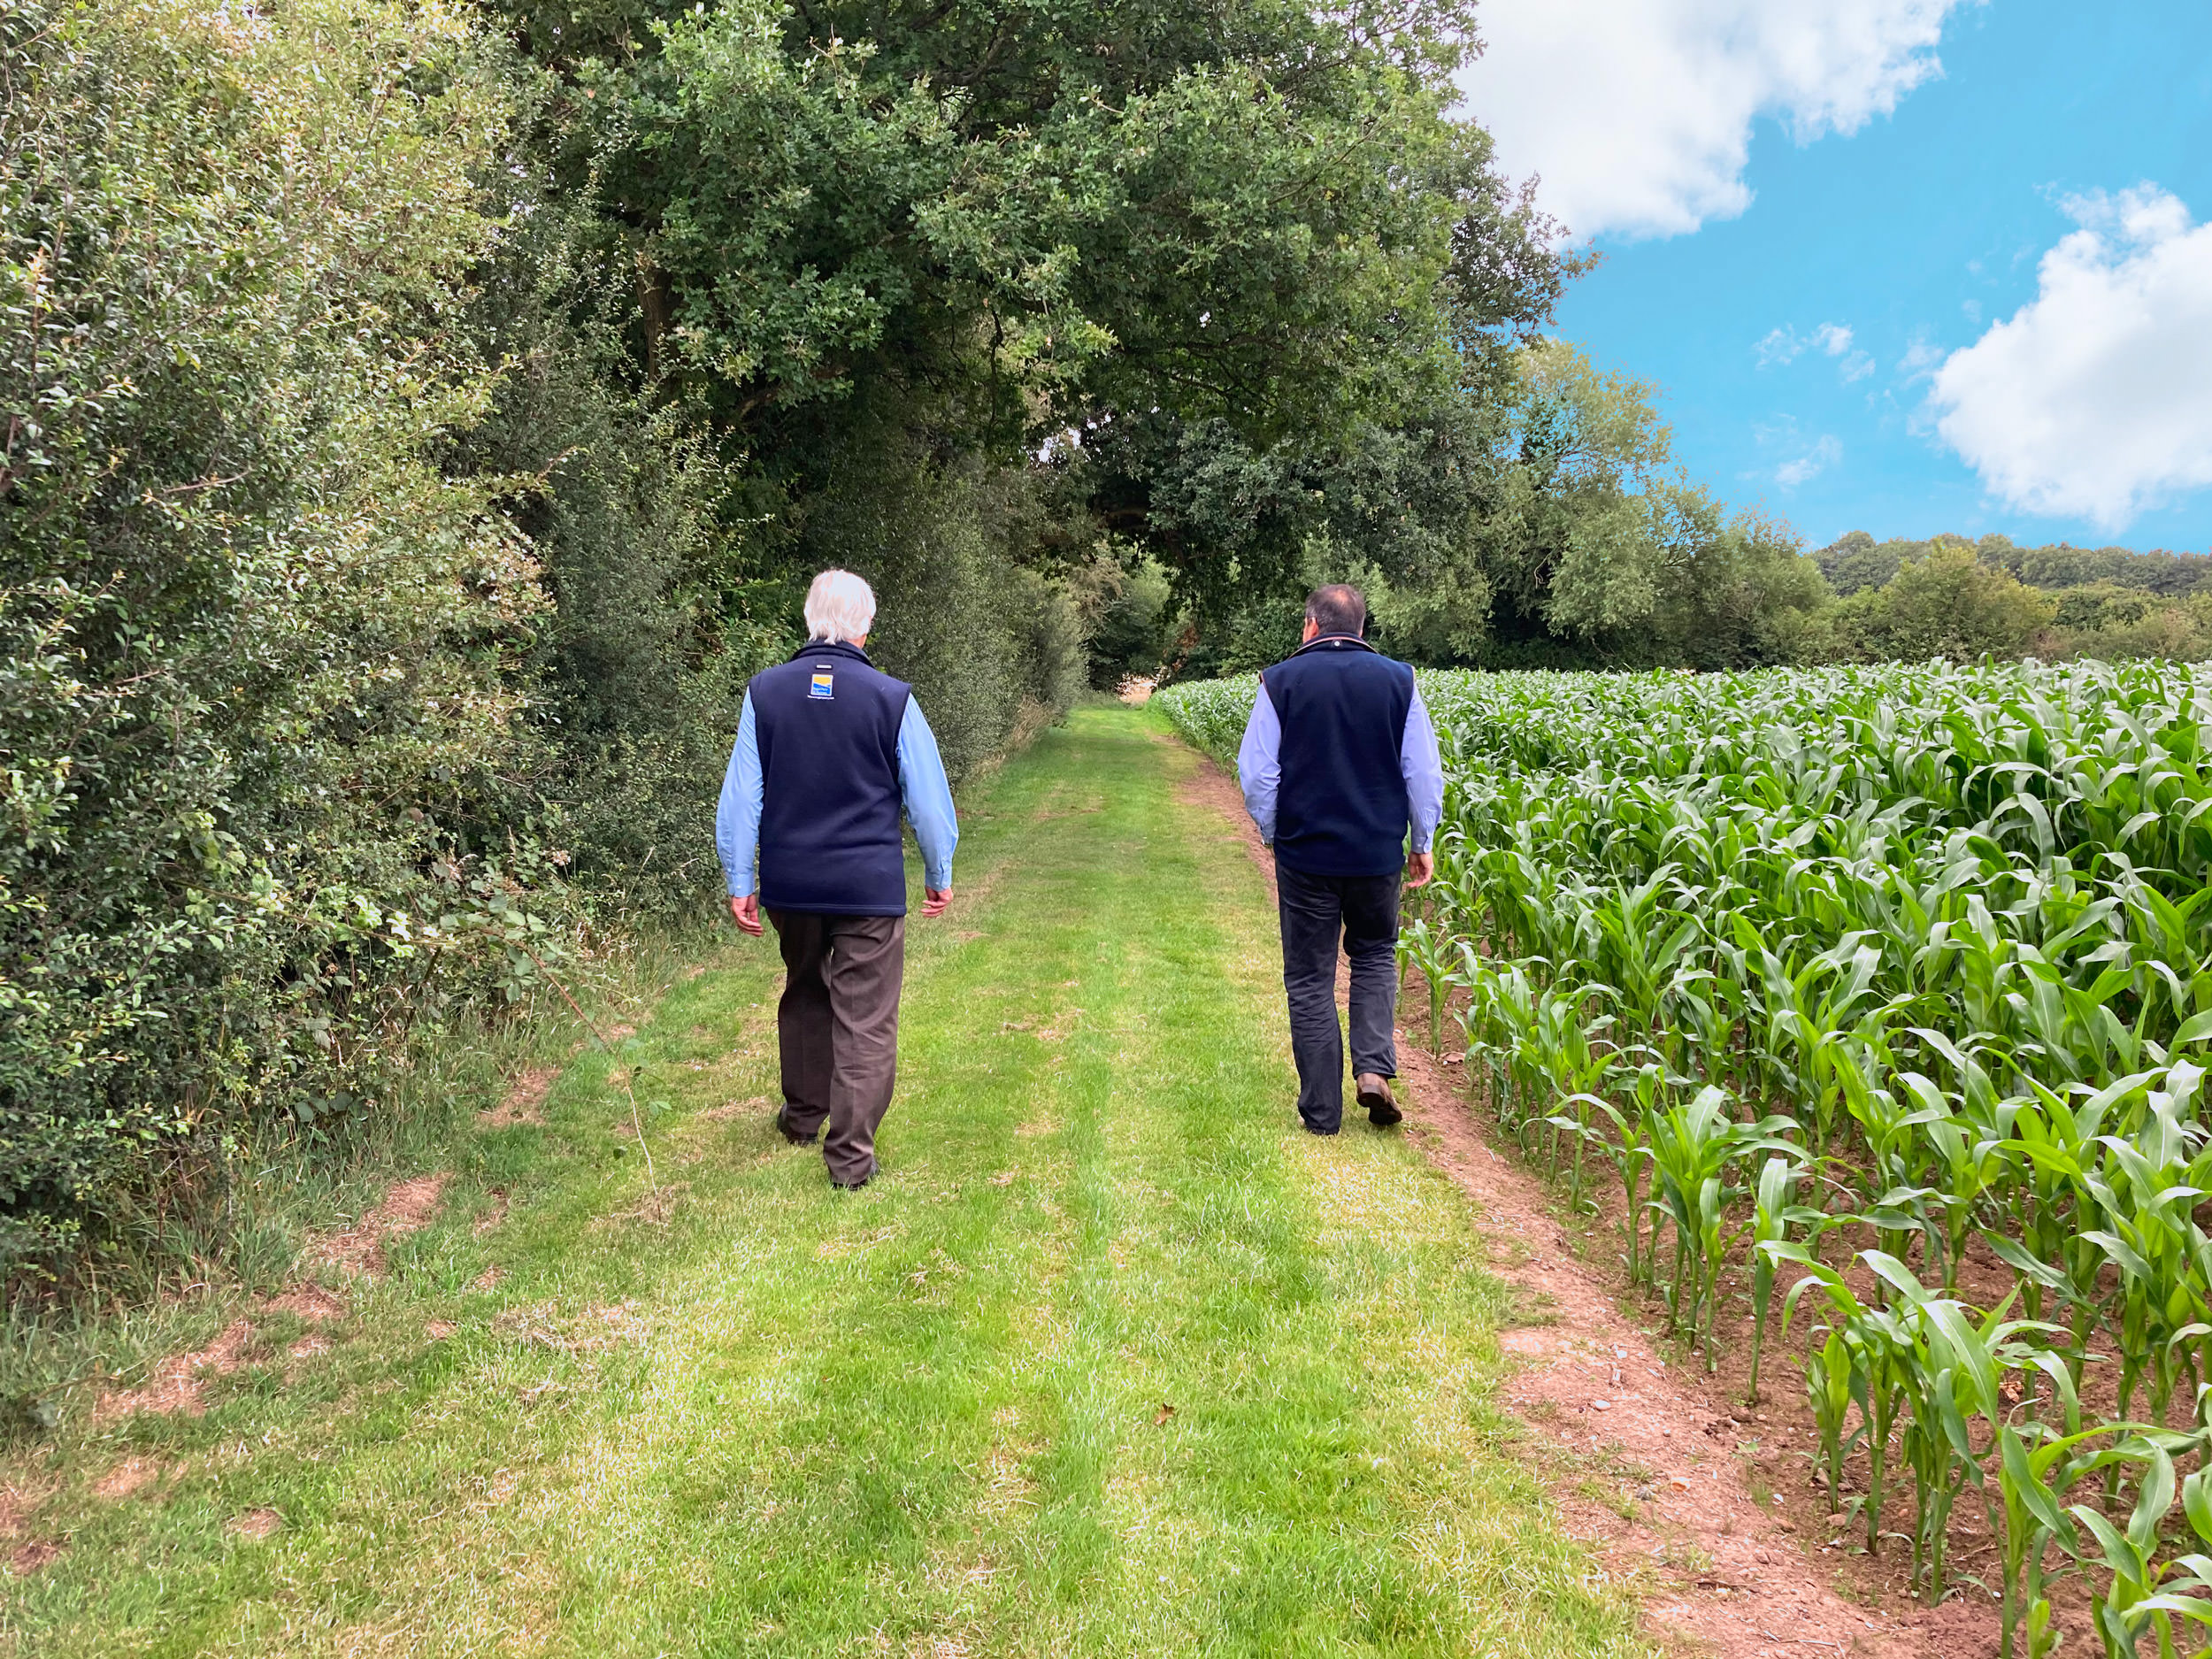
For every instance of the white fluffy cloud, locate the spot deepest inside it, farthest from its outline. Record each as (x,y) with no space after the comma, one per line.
(1824,454)
(1637,113)
(1830,339)
(2094,399)
(1802,458)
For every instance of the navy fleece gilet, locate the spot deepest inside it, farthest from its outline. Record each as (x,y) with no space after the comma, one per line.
(1341,808)
(828,725)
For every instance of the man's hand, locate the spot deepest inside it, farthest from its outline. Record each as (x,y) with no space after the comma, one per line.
(934,900)
(745,911)
(1419,868)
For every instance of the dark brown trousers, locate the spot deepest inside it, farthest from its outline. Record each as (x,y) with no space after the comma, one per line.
(838,1028)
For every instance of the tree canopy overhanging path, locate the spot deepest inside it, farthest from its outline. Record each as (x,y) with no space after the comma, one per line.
(1114,1359)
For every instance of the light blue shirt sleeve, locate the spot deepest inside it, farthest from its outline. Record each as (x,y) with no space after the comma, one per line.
(928,798)
(1423,769)
(737,816)
(1260,763)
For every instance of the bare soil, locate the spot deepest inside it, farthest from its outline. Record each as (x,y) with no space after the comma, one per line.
(1706,1503)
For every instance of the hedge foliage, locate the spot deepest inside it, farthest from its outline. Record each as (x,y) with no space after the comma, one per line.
(373,619)
(257,649)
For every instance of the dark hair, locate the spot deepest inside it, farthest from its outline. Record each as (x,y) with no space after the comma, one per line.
(1338,609)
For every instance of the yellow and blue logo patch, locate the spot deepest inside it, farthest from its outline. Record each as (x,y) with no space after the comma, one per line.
(822,685)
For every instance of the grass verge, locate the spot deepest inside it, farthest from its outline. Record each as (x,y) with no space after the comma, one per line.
(1112,1360)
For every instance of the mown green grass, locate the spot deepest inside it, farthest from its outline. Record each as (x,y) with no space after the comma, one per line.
(1112,1360)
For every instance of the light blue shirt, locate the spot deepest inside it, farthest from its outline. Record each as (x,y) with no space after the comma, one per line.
(921,781)
(1260,768)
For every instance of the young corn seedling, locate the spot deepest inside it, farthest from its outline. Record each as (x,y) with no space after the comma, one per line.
(1811,1018)
(1950,1368)
(1631,1155)
(2065,1145)
(1434,953)
(1964,1137)
(1870,1342)
(2145,1594)
(1832,1384)
(1772,1218)
(1494,1022)
(2147,1189)
(2035,1465)
(1692,1146)
(1574,1055)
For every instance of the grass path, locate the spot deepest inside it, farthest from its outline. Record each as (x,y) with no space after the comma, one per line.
(1113,1360)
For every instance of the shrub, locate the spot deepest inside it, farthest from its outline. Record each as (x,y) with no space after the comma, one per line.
(638,667)
(1945,604)
(256,652)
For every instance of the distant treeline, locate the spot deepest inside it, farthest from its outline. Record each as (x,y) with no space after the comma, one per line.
(1857,560)
(1999,597)
(1683,586)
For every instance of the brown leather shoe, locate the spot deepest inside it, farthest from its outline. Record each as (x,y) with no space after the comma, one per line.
(1374,1093)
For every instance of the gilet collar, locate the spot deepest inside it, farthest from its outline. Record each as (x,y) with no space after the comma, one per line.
(815,647)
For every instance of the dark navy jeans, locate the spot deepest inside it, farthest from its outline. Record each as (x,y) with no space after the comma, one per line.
(1317,912)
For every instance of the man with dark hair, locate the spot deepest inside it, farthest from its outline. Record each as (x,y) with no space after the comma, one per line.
(1337,611)
(1339,765)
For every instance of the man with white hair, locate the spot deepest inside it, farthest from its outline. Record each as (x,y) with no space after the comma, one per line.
(829,751)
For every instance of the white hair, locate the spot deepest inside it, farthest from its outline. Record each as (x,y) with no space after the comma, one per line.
(839,608)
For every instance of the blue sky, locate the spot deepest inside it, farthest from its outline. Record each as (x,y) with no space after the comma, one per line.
(1899,265)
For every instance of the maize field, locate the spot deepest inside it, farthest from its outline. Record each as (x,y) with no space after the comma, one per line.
(1885,989)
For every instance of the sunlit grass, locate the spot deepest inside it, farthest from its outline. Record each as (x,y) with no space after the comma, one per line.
(1113,1360)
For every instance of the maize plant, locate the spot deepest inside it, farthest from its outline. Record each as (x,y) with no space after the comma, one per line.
(2146,1593)
(1431,955)
(1773,1214)
(1693,1146)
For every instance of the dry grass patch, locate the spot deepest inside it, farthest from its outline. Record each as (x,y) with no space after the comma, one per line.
(179,1383)
(657,1209)
(494,1212)
(526,1099)
(593,1330)
(15,1503)
(407,1208)
(734,1109)
(255,1523)
(131,1476)
(26,1559)
(830,1249)
(313,1304)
